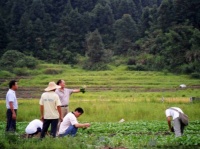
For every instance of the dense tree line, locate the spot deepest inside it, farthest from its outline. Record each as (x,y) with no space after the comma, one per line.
(147,34)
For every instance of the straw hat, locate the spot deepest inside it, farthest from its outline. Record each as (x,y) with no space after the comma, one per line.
(52,86)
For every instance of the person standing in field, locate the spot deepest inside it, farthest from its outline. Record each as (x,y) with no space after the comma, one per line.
(70,125)
(50,109)
(12,106)
(34,128)
(178,126)
(64,95)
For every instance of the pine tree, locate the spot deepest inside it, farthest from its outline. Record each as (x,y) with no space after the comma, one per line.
(3,36)
(103,20)
(126,33)
(128,7)
(84,5)
(48,30)
(37,10)
(148,3)
(166,14)
(95,47)
(17,11)
(25,34)
(149,20)
(68,8)
(38,38)
(193,55)
(187,10)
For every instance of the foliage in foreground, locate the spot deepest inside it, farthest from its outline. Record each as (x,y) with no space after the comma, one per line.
(137,134)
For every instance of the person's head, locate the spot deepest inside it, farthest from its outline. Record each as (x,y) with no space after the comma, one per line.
(61,83)
(13,85)
(78,111)
(51,87)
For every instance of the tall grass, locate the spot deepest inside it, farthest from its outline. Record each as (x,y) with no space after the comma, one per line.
(109,111)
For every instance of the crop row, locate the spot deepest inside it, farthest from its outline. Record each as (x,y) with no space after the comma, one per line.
(134,134)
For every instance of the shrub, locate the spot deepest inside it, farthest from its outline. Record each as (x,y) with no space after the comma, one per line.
(53,71)
(27,61)
(195,75)
(21,71)
(156,63)
(10,58)
(186,68)
(131,61)
(5,74)
(95,66)
(137,67)
(165,71)
(117,61)
(131,67)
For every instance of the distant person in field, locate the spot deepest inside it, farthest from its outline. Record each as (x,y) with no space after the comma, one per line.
(12,106)
(178,126)
(70,125)
(50,109)
(34,128)
(64,95)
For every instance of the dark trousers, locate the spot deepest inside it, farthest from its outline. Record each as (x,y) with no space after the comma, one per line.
(46,123)
(11,123)
(38,130)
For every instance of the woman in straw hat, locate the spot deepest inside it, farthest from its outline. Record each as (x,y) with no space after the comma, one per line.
(50,109)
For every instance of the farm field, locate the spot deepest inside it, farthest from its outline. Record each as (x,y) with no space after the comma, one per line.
(140,98)
(108,135)
(145,126)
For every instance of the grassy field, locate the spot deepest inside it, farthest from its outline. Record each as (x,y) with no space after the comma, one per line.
(138,97)
(108,111)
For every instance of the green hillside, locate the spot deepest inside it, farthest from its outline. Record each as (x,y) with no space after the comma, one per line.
(115,83)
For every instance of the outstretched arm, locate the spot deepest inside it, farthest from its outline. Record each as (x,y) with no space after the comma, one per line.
(82,89)
(76,91)
(85,125)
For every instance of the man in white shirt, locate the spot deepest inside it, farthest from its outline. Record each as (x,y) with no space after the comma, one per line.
(178,126)
(70,125)
(34,127)
(12,106)
(50,109)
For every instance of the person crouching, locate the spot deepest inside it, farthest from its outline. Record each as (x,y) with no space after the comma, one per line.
(70,125)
